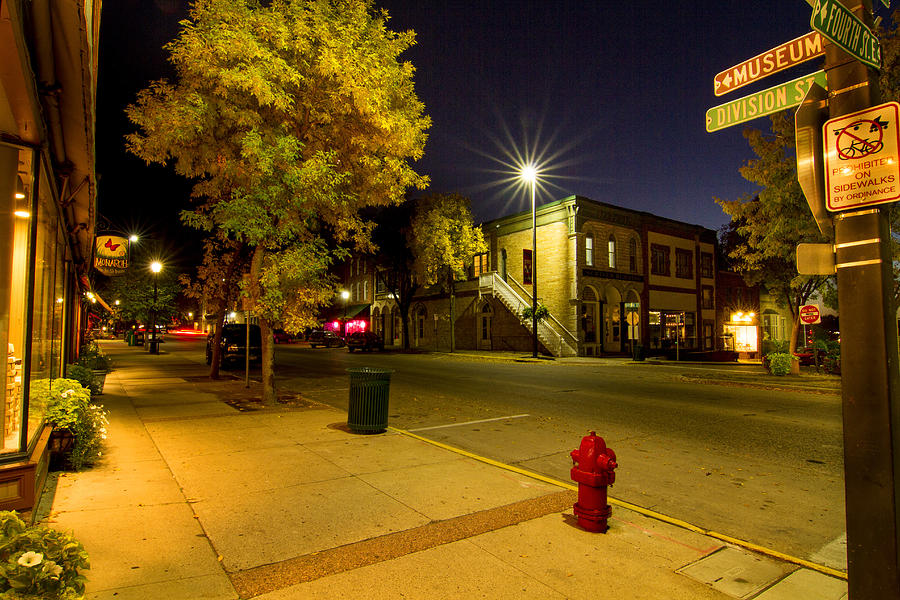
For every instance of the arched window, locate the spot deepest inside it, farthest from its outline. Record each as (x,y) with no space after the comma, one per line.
(612,252)
(632,255)
(589,250)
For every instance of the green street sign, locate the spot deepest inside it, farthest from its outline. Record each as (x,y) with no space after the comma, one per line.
(760,104)
(846,30)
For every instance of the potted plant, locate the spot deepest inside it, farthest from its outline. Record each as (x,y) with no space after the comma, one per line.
(37,562)
(79,427)
(92,357)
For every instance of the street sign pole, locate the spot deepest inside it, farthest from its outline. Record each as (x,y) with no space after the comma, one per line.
(869,360)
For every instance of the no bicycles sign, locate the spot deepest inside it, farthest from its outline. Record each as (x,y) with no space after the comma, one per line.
(861,158)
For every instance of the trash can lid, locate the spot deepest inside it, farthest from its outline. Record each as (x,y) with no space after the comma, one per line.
(369,371)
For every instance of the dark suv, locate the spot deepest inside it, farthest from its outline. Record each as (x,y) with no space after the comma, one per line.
(234,343)
(364,340)
(329,339)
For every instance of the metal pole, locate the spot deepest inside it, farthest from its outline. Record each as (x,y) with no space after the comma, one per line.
(534,304)
(869,381)
(151,337)
(247,350)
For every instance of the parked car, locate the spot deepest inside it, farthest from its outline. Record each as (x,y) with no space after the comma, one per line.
(280,336)
(321,337)
(139,335)
(234,344)
(807,358)
(364,340)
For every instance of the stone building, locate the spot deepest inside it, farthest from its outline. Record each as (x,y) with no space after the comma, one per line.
(610,277)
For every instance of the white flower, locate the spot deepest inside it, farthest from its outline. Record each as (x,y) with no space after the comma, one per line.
(53,569)
(30,559)
(67,393)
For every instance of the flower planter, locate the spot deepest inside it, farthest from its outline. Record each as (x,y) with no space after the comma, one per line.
(99,381)
(62,442)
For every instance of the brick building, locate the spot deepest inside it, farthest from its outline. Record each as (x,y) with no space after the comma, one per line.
(610,277)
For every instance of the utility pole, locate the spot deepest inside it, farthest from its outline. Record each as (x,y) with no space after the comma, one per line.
(869,360)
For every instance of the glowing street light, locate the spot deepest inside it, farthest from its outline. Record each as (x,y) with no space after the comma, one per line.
(153,346)
(346,296)
(529,175)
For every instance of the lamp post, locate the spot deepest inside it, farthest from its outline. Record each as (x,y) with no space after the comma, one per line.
(346,296)
(529,174)
(156,267)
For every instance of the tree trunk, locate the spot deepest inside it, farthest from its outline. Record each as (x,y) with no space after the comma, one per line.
(220,320)
(795,334)
(265,329)
(217,345)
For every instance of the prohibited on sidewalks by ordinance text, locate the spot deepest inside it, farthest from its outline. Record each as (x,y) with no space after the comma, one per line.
(861,157)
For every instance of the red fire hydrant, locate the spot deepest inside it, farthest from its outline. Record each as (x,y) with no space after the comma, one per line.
(593,469)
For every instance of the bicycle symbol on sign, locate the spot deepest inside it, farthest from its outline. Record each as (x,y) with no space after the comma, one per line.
(860,138)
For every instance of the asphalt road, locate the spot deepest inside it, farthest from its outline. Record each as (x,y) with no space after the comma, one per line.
(761,465)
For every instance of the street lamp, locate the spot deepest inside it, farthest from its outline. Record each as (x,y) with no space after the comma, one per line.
(156,267)
(529,174)
(346,296)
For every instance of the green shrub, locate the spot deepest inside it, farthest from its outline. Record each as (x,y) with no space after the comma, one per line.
(780,363)
(81,374)
(92,357)
(37,562)
(774,346)
(69,407)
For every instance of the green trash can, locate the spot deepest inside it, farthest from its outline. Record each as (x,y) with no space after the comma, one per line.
(129,337)
(369,391)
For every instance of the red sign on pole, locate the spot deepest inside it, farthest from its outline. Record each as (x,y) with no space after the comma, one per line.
(809,314)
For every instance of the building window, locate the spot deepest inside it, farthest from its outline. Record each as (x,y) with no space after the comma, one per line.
(526,267)
(632,255)
(707,301)
(589,250)
(706,265)
(684,263)
(481,264)
(708,327)
(589,310)
(611,245)
(659,260)
(366,290)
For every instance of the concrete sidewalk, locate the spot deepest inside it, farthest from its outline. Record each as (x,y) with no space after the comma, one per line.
(201,496)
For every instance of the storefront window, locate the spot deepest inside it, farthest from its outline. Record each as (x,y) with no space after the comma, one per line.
(745,337)
(44,338)
(16,219)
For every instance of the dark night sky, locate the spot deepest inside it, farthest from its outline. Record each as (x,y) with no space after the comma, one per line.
(612,95)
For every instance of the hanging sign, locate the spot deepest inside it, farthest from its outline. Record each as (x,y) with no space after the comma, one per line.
(862,158)
(111,255)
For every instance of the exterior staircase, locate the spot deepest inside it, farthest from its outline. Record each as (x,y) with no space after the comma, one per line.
(552,334)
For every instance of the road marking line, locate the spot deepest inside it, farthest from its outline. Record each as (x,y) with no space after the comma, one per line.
(638,509)
(468,423)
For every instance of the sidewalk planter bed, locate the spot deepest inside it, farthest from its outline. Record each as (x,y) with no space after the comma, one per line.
(37,562)
(98,381)
(369,393)
(69,409)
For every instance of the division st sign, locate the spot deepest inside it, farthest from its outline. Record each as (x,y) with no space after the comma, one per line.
(760,104)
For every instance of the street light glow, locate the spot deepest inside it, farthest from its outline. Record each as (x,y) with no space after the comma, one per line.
(156,266)
(528,173)
(132,238)
(345,295)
